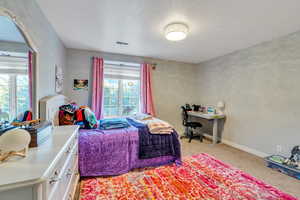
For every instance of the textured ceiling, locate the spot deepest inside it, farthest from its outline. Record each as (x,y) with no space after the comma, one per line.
(216,27)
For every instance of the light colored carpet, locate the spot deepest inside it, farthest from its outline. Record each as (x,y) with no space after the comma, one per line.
(249,163)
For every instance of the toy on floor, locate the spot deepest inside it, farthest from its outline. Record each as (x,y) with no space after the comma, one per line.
(294,159)
(277,159)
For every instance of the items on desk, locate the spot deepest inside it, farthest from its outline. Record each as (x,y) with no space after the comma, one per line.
(221,107)
(202,109)
(188,107)
(196,108)
(210,110)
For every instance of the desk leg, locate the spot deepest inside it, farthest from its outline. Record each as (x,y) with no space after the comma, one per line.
(215,131)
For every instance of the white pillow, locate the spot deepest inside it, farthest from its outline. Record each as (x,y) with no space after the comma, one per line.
(141,116)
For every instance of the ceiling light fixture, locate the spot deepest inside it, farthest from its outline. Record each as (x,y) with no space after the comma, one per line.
(176,31)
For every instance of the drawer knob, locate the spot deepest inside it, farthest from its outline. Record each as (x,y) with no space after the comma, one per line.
(69,173)
(54,180)
(68,150)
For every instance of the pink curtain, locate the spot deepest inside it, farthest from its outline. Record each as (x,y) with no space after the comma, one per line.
(30,77)
(147,104)
(97,93)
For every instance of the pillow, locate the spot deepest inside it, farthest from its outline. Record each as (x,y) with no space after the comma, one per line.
(141,116)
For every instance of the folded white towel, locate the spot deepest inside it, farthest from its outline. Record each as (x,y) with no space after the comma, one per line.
(157,126)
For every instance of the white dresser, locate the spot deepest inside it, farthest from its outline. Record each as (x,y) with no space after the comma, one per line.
(49,172)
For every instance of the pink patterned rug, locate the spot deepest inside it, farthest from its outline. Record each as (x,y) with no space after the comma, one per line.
(200,177)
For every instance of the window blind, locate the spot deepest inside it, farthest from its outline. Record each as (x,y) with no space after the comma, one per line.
(122,72)
(13,65)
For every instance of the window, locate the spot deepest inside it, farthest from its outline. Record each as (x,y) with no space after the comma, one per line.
(14,87)
(121,89)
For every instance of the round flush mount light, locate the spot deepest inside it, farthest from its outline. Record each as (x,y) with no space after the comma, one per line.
(176,31)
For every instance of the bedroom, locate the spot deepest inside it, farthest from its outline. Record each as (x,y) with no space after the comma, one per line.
(243,56)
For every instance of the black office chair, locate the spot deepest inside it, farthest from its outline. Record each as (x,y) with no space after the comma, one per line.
(190,126)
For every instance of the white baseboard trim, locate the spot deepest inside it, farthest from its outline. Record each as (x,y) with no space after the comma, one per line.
(241,147)
(245,148)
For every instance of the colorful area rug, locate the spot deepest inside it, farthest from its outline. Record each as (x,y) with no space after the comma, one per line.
(200,177)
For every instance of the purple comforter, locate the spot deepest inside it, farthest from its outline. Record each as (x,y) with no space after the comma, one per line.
(113,152)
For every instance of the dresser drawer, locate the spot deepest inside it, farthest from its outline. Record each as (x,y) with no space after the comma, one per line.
(47,172)
(70,179)
(53,189)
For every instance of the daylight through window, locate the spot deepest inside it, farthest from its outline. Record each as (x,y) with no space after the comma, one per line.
(14,87)
(121,90)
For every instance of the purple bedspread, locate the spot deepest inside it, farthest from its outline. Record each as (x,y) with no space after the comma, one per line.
(113,152)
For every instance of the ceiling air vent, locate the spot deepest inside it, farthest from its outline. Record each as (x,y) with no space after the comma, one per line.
(122,43)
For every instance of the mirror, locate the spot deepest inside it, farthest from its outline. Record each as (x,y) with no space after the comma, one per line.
(16,71)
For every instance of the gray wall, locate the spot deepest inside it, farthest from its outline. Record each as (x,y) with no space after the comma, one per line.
(50,49)
(173,82)
(260,85)
(261,88)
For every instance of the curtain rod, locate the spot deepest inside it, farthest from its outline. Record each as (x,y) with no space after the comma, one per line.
(120,63)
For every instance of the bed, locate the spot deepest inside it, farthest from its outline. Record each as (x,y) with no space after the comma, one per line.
(111,152)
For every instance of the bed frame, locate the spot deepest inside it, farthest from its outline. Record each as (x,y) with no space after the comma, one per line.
(49,107)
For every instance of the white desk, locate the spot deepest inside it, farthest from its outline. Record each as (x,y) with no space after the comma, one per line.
(214,117)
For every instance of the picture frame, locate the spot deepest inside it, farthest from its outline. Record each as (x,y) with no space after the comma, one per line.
(59,79)
(80,84)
